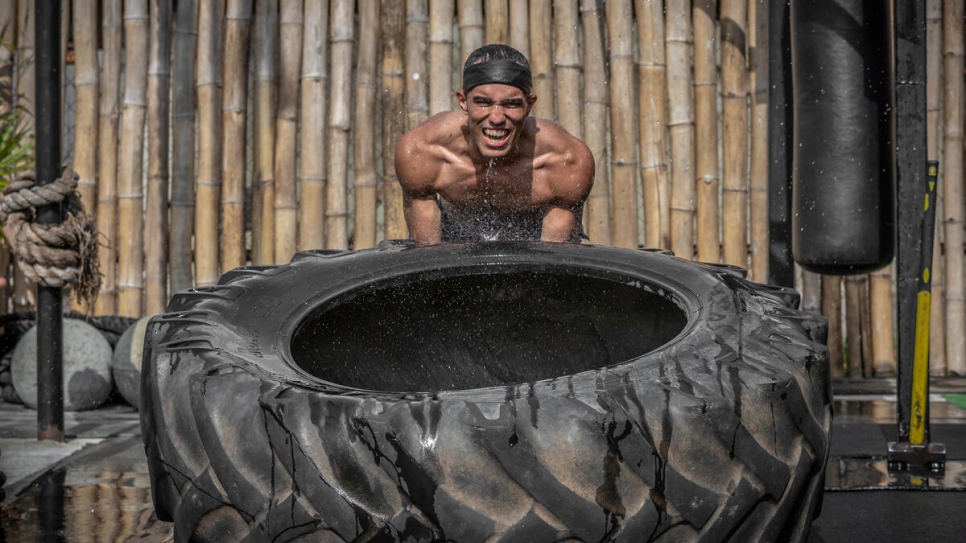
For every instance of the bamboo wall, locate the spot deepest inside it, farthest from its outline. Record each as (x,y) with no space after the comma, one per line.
(246,130)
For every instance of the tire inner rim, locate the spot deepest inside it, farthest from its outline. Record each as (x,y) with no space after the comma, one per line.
(451,330)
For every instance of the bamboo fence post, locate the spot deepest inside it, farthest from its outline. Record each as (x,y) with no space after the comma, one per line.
(263,181)
(86,107)
(811,292)
(707,218)
(183,102)
(953,193)
(312,118)
(541,58)
(23,288)
(86,89)
(832,309)
(652,102)
(130,193)
(622,122)
(107,135)
(597,211)
(440,56)
(286,129)
(567,66)
(364,133)
(520,26)
(210,126)
(883,335)
(340,122)
(159,106)
(471,27)
(681,126)
(734,131)
(855,363)
(7,66)
(417,99)
(934,64)
(393,118)
(497,19)
(758,178)
(238,21)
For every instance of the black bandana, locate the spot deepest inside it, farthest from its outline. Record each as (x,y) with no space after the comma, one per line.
(500,71)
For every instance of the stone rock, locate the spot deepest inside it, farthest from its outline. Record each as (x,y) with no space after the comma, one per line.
(126,363)
(86,368)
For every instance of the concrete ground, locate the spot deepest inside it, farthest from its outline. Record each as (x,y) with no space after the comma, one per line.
(95,487)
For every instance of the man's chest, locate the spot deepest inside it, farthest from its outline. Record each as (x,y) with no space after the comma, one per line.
(505,189)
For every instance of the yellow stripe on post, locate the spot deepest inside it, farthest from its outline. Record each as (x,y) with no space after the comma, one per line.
(920,368)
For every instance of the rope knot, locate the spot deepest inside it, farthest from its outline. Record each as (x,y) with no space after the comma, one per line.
(53,255)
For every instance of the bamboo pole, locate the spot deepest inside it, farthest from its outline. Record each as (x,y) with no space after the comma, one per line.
(497,20)
(758,179)
(312,118)
(708,182)
(883,335)
(86,92)
(734,132)
(263,180)
(23,288)
(393,119)
(855,363)
(681,126)
(519,34)
(7,66)
(210,124)
(597,211)
(541,58)
(472,33)
(107,135)
(811,292)
(364,133)
(832,309)
(440,56)
(567,66)
(622,122)
(130,193)
(286,129)
(183,103)
(238,21)
(85,107)
(417,99)
(934,64)
(652,101)
(159,106)
(340,119)
(865,323)
(953,194)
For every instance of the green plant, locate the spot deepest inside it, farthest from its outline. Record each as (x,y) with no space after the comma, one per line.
(16,141)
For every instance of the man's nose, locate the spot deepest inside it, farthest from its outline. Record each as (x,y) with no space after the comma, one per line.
(497,114)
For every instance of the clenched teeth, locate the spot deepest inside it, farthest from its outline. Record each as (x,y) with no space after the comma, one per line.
(496,133)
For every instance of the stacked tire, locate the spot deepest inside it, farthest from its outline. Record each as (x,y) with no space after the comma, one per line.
(607,395)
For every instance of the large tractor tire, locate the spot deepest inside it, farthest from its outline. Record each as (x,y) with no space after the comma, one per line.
(486,392)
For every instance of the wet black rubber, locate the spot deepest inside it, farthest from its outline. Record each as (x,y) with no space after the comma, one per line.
(492,392)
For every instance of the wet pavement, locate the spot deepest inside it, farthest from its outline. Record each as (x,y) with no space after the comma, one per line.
(95,487)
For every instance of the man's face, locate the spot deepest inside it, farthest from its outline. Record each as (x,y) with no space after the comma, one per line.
(495,116)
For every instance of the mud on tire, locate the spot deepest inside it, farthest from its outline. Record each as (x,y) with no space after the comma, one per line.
(493,392)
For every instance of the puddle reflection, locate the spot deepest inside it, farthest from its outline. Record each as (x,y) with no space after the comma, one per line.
(76,506)
(872,473)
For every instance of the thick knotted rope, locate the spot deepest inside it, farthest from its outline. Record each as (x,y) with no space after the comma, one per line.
(54,255)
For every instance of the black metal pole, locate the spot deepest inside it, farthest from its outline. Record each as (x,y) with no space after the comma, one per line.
(911,157)
(50,386)
(781,269)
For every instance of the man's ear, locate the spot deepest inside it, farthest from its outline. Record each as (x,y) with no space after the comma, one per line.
(461,97)
(532,99)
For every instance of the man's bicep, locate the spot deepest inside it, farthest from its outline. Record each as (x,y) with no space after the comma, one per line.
(423,218)
(559,224)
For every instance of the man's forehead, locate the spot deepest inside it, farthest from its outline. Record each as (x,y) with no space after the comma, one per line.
(496,91)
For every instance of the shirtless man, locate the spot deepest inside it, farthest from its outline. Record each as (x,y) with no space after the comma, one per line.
(490,171)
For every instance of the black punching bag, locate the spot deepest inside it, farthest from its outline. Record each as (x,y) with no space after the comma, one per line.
(843,165)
